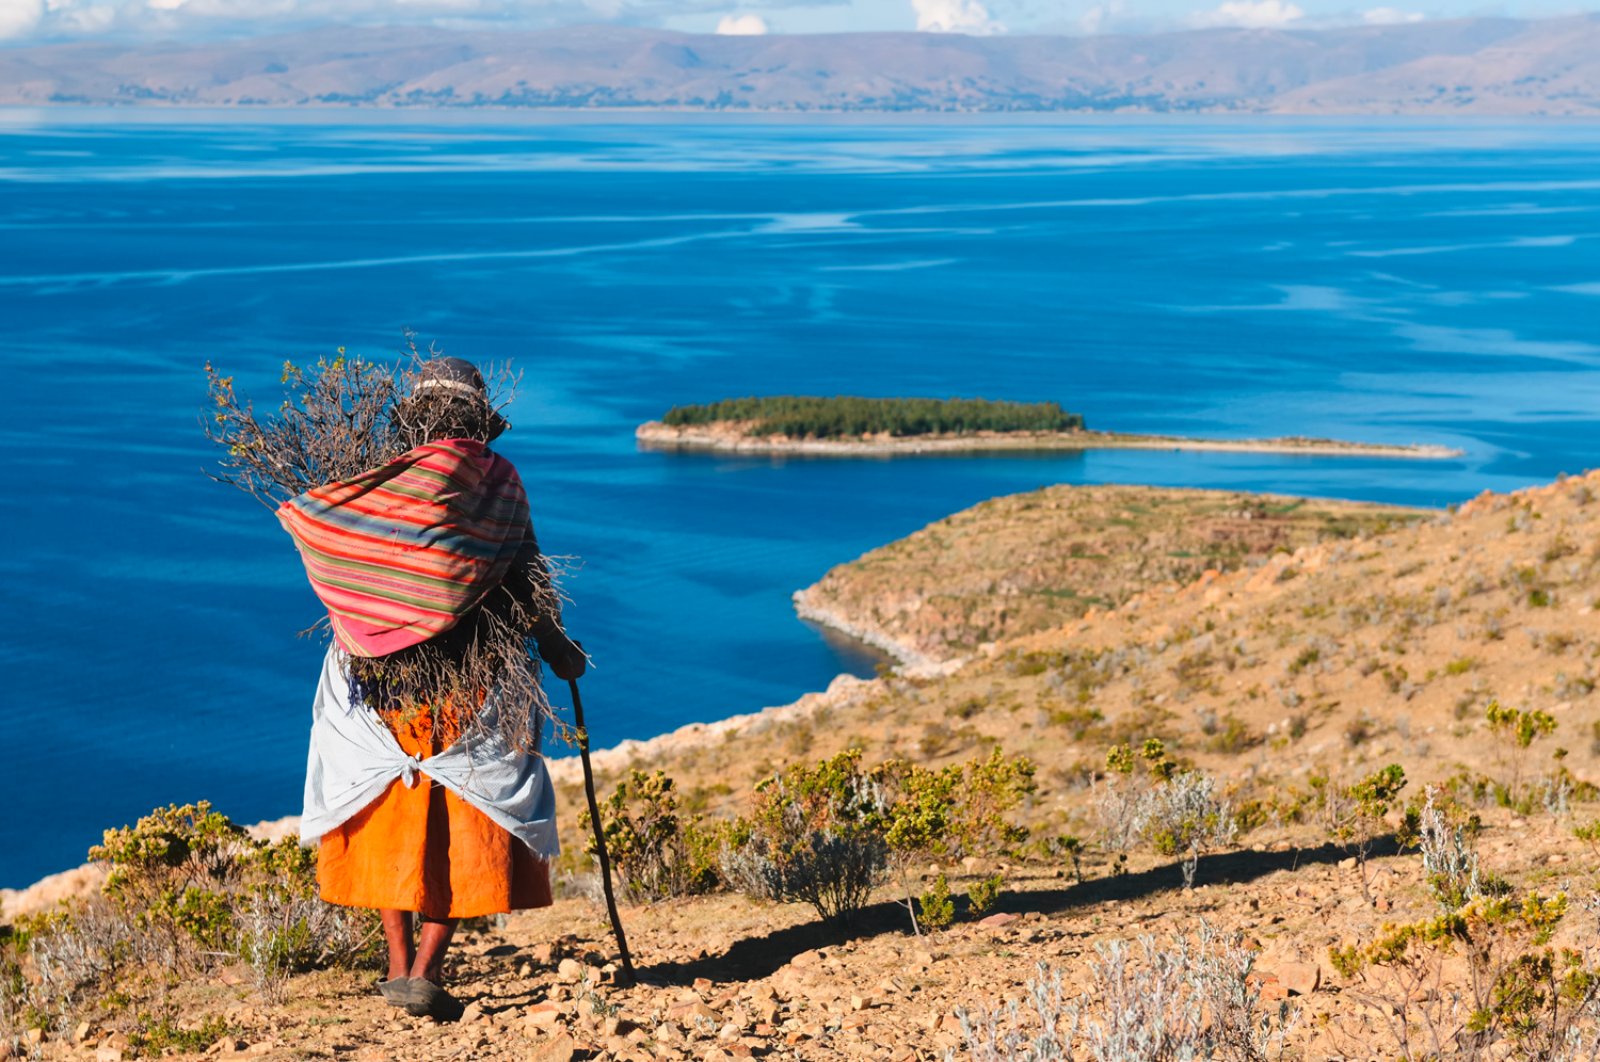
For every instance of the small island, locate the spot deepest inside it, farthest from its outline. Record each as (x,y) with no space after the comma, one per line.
(852,426)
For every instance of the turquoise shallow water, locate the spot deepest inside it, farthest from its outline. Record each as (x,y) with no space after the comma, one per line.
(1410,281)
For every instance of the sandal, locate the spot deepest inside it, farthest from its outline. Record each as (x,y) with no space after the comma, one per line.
(394,991)
(424,999)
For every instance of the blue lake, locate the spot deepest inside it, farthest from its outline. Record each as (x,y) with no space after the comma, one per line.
(1408,281)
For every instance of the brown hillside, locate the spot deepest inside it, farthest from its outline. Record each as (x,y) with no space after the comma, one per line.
(1332,659)
(1027,562)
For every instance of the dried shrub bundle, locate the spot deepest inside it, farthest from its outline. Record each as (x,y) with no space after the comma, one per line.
(343,416)
(337,419)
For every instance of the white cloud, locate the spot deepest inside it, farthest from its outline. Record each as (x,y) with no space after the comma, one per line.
(1098,19)
(955,16)
(1390,16)
(742,25)
(1252,14)
(201,19)
(19,17)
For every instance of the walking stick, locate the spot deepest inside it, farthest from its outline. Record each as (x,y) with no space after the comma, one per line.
(600,837)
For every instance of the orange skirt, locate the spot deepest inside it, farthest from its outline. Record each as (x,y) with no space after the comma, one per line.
(424,849)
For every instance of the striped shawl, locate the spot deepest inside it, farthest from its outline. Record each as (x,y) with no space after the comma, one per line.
(401,553)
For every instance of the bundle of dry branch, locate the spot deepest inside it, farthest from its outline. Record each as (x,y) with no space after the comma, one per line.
(343,416)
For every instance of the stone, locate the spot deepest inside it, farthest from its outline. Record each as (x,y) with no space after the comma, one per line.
(546,1015)
(543,954)
(471,1013)
(34,1036)
(1272,989)
(560,1048)
(861,1002)
(689,1013)
(570,971)
(81,1033)
(997,921)
(1300,978)
(105,1053)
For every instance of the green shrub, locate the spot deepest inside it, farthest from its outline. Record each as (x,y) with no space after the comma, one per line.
(982,894)
(1357,815)
(157,1034)
(958,810)
(656,852)
(1233,735)
(935,905)
(187,890)
(814,834)
(1517,730)
(1521,997)
(830,833)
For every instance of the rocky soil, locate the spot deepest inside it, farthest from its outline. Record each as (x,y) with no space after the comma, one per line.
(722,978)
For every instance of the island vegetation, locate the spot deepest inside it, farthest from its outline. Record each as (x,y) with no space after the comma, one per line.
(848,416)
(853,426)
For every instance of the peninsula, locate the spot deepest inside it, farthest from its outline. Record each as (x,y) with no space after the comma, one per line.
(848,426)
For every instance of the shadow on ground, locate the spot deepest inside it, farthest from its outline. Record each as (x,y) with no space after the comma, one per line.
(753,958)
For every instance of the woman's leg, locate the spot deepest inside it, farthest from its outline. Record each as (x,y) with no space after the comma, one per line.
(397,931)
(429,961)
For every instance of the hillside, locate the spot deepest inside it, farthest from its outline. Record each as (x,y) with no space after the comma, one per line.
(1287,680)
(1463,66)
(1024,563)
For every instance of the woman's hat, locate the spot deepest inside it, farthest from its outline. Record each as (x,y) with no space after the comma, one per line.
(459,378)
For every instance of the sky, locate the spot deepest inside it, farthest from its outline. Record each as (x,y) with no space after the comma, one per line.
(25,21)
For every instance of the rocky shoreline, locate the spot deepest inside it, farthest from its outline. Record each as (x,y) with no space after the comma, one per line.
(655,435)
(912,661)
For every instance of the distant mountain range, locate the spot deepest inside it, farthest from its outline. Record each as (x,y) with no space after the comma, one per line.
(1465,66)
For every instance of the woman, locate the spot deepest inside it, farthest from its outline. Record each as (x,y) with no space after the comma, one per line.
(424,782)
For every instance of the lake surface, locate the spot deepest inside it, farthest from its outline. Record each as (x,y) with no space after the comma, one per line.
(1409,281)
